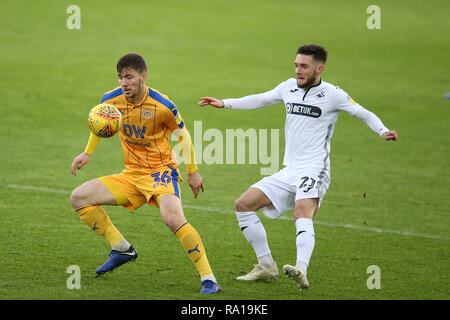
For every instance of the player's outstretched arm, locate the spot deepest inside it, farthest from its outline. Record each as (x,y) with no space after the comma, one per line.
(375,123)
(205,101)
(390,135)
(79,162)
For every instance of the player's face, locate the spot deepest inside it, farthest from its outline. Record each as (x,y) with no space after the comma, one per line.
(307,71)
(132,83)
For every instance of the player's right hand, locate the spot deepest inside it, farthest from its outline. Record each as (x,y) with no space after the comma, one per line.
(390,135)
(204,101)
(79,162)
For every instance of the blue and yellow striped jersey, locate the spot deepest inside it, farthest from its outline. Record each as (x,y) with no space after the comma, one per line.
(146,128)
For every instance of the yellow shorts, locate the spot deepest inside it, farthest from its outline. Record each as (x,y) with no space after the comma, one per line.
(132,189)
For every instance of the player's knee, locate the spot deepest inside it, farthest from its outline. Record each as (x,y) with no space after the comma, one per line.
(241,205)
(171,211)
(78,198)
(173,220)
(306,208)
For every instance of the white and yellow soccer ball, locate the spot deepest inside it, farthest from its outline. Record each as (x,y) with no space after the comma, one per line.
(104,120)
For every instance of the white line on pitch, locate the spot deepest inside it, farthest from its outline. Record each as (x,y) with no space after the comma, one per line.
(230,211)
(330,224)
(33,188)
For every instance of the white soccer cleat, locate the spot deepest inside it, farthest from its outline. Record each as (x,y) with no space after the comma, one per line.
(259,272)
(297,275)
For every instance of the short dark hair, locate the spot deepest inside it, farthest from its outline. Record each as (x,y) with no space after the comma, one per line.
(132,60)
(319,53)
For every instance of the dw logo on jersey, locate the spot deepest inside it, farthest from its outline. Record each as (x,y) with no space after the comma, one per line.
(137,130)
(303,110)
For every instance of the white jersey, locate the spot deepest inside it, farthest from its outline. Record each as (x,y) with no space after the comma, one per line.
(310,119)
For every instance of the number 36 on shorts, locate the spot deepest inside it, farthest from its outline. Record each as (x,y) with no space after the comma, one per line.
(163,178)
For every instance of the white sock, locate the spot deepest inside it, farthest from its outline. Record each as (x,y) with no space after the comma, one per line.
(302,266)
(208,277)
(266,260)
(254,232)
(123,245)
(305,242)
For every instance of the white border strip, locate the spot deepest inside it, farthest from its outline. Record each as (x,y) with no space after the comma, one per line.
(229,211)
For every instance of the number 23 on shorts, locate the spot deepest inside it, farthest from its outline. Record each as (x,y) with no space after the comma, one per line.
(307,183)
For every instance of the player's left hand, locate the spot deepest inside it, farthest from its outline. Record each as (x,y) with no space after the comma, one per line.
(195,181)
(79,162)
(390,135)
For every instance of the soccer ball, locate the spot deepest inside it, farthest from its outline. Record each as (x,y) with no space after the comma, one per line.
(104,120)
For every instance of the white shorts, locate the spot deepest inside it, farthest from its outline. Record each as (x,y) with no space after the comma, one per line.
(284,188)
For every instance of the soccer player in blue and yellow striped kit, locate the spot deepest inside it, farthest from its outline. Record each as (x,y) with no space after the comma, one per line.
(151,173)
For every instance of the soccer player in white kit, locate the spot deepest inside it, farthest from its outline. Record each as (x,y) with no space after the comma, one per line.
(312,108)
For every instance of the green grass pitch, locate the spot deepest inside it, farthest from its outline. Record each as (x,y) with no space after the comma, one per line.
(388,203)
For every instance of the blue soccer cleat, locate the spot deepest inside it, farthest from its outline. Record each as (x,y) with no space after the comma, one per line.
(116,259)
(209,287)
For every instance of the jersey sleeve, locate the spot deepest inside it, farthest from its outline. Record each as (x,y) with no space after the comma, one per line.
(347,104)
(173,119)
(92,144)
(176,124)
(256,101)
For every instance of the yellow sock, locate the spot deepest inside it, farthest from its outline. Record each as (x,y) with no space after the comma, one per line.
(193,245)
(97,219)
